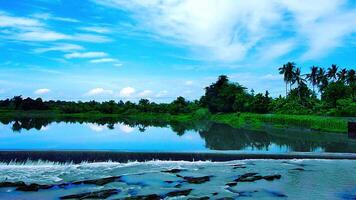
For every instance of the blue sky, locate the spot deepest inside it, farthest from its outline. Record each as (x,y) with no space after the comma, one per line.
(130,49)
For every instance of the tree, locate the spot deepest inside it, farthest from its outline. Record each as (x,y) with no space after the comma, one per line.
(350,78)
(313,76)
(287,70)
(341,75)
(322,80)
(222,96)
(331,74)
(297,78)
(335,91)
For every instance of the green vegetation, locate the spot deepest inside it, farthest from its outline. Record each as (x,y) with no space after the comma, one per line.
(333,93)
(330,124)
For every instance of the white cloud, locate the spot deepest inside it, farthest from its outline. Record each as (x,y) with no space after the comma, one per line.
(93,38)
(231,30)
(127,91)
(96,29)
(162,93)
(60,47)
(42,91)
(85,55)
(98,91)
(41,35)
(33,29)
(48,16)
(145,93)
(97,128)
(189,82)
(103,60)
(118,64)
(17,22)
(125,128)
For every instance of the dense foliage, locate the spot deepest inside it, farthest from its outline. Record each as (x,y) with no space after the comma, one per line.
(333,93)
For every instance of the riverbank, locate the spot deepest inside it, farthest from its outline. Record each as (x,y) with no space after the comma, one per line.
(237,120)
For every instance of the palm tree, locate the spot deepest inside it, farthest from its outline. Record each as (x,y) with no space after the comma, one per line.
(322,79)
(332,72)
(312,77)
(350,77)
(297,78)
(341,75)
(287,70)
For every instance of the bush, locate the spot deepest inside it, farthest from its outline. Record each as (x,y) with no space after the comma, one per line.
(201,113)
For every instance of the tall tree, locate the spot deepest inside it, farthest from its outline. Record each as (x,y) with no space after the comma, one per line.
(298,78)
(332,71)
(350,77)
(313,76)
(287,70)
(341,75)
(322,80)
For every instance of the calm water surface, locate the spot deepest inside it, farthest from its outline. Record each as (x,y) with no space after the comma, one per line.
(34,134)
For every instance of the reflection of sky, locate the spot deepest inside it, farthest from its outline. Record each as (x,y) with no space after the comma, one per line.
(87,136)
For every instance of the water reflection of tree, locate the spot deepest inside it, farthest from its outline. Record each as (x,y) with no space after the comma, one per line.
(26,123)
(216,136)
(223,137)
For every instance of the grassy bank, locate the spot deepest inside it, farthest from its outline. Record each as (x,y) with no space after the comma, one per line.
(328,124)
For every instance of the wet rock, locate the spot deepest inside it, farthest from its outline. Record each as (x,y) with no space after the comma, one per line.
(238,166)
(199,198)
(252,177)
(144,197)
(12,184)
(102,194)
(196,180)
(178,185)
(215,193)
(272,177)
(173,171)
(276,194)
(298,169)
(100,181)
(170,182)
(248,177)
(179,193)
(32,187)
(242,193)
(231,184)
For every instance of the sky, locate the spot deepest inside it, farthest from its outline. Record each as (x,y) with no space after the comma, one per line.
(130,49)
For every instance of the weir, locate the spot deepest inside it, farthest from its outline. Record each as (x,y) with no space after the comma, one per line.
(102,156)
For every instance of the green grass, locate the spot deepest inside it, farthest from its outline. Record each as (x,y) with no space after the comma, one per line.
(328,124)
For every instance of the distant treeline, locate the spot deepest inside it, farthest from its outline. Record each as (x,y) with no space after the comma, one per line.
(335,95)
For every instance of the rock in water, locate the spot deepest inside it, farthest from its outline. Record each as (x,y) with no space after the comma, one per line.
(179,193)
(173,171)
(272,177)
(144,197)
(196,180)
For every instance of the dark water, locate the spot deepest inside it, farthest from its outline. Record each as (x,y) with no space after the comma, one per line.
(154,136)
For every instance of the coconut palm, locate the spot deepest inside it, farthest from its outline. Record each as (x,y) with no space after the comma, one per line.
(298,78)
(322,79)
(287,70)
(350,77)
(341,75)
(312,77)
(332,72)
